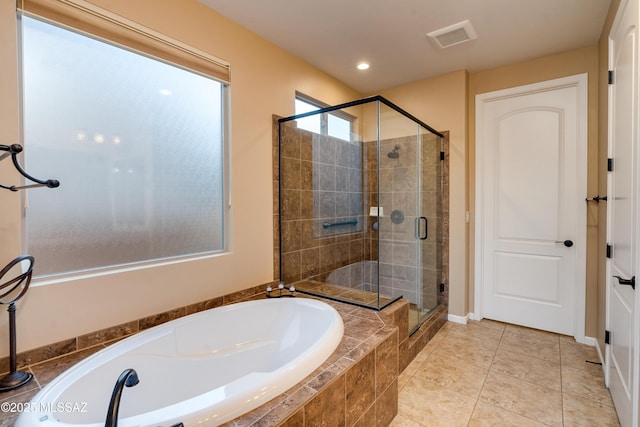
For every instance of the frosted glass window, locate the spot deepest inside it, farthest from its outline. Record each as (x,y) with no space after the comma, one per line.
(339,127)
(311,123)
(321,123)
(137,145)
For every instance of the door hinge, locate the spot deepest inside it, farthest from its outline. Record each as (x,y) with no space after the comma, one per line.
(442,155)
(441,287)
(607,337)
(609,251)
(609,165)
(610,77)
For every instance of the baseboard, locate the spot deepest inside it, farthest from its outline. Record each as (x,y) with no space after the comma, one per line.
(589,341)
(601,357)
(458,319)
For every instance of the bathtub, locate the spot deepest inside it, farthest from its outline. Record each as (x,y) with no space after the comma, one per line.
(203,369)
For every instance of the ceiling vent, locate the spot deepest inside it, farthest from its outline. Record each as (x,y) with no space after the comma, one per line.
(454,34)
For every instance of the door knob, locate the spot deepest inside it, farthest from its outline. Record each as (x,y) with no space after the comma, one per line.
(568,243)
(630,282)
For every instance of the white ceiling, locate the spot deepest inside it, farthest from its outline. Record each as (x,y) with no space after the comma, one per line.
(334,35)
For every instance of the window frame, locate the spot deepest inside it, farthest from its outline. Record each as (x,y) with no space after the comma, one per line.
(206,65)
(324,117)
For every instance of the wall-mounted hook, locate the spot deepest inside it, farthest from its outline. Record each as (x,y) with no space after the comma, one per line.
(13,151)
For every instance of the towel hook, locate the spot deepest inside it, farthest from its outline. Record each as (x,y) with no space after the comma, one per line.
(13,151)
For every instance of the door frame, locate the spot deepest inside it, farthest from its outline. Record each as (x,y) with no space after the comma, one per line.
(635,386)
(580,81)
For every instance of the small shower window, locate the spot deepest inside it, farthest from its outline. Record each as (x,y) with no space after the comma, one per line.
(138,145)
(337,125)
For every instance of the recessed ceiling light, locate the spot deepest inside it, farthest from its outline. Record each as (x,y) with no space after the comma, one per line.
(363,66)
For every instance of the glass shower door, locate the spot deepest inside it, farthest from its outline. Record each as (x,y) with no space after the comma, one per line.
(410,200)
(430,232)
(401,223)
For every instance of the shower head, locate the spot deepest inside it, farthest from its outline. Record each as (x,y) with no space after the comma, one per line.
(393,154)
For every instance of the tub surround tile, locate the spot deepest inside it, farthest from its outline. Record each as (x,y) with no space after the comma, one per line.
(359,327)
(387,405)
(46,371)
(40,354)
(295,420)
(327,376)
(347,345)
(387,362)
(370,346)
(106,335)
(328,408)
(283,410)
(160,318)
(254,292)
(397,314)
(411,345)
(364,348)
(204,305)
(367,419)
(355,387)
(360,387)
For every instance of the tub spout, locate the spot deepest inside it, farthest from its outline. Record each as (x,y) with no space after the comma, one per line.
(128,378)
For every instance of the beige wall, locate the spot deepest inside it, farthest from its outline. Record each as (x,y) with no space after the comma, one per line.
(441,102)
(569,63)
(264,81)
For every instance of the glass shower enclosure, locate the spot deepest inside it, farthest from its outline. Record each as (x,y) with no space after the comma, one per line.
(360,206)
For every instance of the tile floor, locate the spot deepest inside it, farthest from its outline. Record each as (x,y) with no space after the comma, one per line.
(493,374)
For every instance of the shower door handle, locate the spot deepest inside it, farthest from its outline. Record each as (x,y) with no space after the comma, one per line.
(419,228)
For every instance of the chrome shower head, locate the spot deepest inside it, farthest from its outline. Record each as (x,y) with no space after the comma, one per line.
(393,154)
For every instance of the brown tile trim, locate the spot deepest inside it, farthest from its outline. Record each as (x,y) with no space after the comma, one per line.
(107,334)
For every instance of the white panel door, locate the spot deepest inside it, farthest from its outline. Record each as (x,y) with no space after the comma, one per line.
(531,156)
(622,213)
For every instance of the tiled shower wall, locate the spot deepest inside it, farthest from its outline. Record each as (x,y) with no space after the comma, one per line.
(321,183)
(307,253)
(408,189)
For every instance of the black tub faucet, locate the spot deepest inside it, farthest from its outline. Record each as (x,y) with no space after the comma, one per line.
(128,378)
